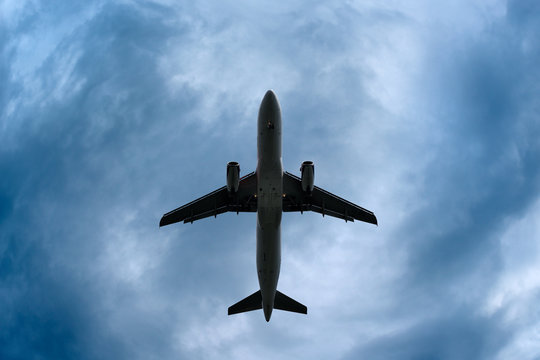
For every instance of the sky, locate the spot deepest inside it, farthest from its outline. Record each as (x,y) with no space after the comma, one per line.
(115,112)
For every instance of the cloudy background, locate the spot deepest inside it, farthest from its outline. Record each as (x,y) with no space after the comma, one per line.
(114,112)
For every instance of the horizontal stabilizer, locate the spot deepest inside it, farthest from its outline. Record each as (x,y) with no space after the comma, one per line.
(283,302)
(252,302)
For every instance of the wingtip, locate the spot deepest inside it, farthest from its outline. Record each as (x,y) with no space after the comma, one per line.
(162,222)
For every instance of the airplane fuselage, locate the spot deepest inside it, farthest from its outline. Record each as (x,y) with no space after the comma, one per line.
(269,199)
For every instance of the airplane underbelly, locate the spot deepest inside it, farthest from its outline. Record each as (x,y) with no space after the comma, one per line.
(269,211)
(269,195)
(268,260)
(269,237)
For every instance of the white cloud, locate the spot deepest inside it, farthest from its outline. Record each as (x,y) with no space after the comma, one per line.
(364,92)
(515,294)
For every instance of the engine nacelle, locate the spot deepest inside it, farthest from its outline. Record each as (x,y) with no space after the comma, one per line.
(308,175)
(233,176)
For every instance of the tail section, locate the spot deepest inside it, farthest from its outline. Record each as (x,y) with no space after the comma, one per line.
(283,302)
(252,302)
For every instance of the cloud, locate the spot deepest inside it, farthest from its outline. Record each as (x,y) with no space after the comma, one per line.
(114,113)
(436,337)
(68,148)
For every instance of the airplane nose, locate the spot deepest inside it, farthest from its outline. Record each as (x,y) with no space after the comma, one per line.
(269,105)
(269,97)
(269,112)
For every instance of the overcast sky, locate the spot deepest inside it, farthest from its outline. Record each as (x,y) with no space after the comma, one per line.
(115,112)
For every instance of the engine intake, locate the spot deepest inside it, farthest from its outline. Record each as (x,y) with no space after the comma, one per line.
(233,176)
(308,175)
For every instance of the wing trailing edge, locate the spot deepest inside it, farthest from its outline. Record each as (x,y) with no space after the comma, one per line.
(321,201)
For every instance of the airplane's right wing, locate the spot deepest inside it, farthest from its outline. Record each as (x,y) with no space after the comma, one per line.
(217,202)
(321,201)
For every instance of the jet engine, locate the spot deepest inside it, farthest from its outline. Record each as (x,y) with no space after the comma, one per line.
(233,176)
(308,174)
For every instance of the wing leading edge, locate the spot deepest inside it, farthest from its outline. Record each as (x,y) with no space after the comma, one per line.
(321,201)
(217,202)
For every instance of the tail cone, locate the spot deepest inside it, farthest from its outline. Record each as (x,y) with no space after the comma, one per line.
(267,312)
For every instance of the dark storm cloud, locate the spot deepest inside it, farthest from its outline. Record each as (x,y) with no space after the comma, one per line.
(483,172)
(117,116)
(67,163)
(483,175)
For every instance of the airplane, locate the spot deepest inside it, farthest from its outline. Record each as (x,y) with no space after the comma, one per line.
(269,191)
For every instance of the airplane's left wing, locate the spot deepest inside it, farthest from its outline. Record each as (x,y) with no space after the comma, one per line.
(217,202)
(321,201)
